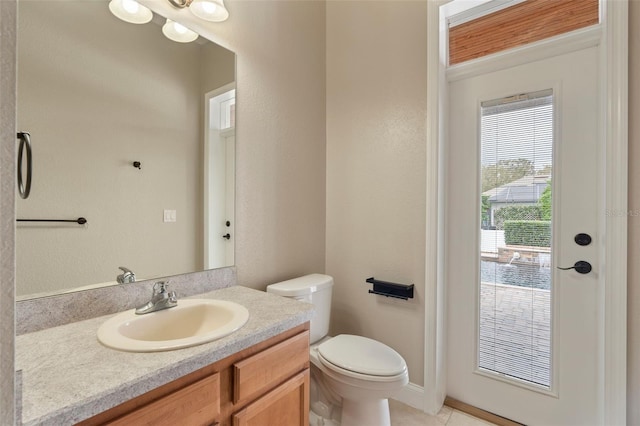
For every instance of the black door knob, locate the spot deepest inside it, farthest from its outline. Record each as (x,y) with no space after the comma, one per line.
(581,267)
(227,236)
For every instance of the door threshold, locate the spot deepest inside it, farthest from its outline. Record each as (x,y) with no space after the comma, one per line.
(479,413)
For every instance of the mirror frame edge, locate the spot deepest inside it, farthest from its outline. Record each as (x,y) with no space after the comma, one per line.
(9,409)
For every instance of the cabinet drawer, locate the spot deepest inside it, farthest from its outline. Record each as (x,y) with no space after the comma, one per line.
(259,373)
(287,404)
(195,404)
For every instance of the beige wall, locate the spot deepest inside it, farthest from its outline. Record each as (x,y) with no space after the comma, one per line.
(97,94)
(280,152)
(633,295)
(217,67)
(376,159)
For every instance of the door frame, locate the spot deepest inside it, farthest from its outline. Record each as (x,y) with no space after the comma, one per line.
(611,34)
(208,97)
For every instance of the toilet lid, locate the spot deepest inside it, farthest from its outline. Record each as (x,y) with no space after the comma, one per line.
(362,355)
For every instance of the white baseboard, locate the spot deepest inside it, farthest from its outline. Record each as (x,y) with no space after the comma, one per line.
(412,395)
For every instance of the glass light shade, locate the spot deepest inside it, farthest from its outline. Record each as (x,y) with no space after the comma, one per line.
(130,11)
(178,32)
(209,10)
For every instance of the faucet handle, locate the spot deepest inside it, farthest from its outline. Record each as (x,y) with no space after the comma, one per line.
(160,299)
(127,276)
(160,287)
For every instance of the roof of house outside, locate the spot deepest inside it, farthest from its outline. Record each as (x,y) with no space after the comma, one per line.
(527,189)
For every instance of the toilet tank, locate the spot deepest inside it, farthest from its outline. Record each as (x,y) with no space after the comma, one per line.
(315,289)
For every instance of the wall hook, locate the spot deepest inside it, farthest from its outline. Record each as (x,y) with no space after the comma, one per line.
(137,165)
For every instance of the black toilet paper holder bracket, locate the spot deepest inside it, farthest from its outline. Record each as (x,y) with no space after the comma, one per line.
(389,289)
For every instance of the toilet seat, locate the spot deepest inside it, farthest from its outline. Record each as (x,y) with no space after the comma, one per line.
(362,358)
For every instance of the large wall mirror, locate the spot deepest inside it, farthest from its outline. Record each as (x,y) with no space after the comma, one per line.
(131,131)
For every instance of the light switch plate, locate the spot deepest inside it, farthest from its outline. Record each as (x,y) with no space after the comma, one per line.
(169,215)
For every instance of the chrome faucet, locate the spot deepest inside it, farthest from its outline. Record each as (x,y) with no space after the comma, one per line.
(127,276)
(160,299)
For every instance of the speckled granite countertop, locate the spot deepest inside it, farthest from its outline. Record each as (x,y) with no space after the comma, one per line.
(68,376)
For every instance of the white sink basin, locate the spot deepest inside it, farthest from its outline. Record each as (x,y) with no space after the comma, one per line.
(192,322)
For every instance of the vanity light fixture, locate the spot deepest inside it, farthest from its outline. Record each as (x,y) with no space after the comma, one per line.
(178,32)
(209,10)
(130,11)
(133,12)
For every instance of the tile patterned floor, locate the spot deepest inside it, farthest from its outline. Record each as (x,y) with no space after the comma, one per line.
(403,415)
(515,332)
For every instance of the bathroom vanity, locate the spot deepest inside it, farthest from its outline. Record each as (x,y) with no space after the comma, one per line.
(258,375)
(267,383)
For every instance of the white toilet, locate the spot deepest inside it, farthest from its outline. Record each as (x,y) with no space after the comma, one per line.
(351,376)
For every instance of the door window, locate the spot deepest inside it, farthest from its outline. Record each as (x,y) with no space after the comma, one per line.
(515,254)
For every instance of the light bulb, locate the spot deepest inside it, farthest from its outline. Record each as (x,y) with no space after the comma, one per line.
(181,29)
(130,6)
(209,7)
(209,10)
(130,11)
(178,32)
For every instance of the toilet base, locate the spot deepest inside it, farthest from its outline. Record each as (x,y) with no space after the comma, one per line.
(371,413)
(317,420)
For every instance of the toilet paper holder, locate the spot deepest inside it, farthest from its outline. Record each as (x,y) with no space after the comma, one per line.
(389,289)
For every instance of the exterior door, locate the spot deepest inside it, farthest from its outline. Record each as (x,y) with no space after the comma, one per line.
(524,339)
(219,178)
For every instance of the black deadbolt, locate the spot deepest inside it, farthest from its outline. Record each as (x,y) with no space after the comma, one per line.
(583,239)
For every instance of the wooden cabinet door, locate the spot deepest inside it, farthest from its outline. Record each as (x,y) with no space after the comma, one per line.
(196,404)
(286,405)
(255,375)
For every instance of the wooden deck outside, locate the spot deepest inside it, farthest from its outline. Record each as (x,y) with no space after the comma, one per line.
(515,332)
